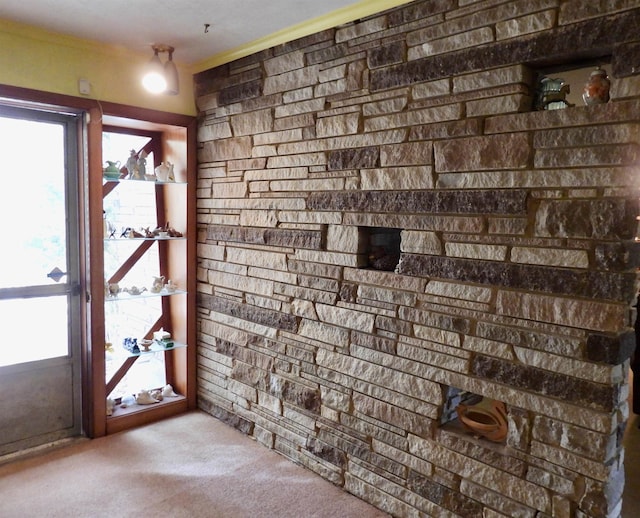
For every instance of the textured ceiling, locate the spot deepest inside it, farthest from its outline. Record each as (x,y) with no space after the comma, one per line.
(136,24)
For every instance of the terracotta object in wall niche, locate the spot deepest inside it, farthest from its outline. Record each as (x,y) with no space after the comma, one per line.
(487,419)
(596,89)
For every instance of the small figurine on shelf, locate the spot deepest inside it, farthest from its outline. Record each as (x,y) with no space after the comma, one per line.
(552,93)
(158,284)
(131,345)
(132,164)
(163,171)
(142,166)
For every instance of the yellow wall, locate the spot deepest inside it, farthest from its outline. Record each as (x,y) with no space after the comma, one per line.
(41,60)
(34,58)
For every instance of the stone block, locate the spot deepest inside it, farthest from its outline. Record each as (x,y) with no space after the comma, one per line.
(397,178)
(241,92)
(586,157)
(392,414)
(351,319)
(415,242)
(214,131)
(476,251)
(419,10)
(431,89)
(597,219)
(254,314)
(468,39)
(386,55)
(524,25)
(514,103)
(495,78)
(251,123)
(325,333)
(574,10)
(580,392)
(414,117)
(225,149)
(331,88)
(365,370)
(585,443)
(613,350)
(291,80)
(496,502)
(511,151)
(338,125)
(385,106)
(550,257)
(599,135)
(356,158)
(586,314)
(361,28)
(454,202)
(411,153)
(284,63)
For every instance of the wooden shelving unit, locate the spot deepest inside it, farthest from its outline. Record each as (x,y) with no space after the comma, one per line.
(174,140)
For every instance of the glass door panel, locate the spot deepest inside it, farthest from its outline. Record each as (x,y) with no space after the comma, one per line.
(40,302)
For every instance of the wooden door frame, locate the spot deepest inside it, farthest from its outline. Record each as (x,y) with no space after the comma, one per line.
(91,236)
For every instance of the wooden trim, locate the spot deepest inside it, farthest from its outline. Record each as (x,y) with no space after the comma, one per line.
(102,108)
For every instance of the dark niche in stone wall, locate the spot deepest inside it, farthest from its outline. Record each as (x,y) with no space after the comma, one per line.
(381,247)
(573,84)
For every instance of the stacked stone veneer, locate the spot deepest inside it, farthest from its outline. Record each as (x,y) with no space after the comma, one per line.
(517,272)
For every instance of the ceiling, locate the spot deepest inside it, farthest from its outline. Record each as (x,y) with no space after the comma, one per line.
(136,24)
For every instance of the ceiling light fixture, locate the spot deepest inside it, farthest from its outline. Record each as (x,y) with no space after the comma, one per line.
(159,78)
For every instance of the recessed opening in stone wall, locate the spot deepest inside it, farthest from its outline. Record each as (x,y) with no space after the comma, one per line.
(482,417)
(563,86)
(381,246)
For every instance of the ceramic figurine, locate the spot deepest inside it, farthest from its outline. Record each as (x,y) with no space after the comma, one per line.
(596,90)
(132,164)
(142,166)
(163,171)
(158,284)
(113,289)
(145,343)
(552,94)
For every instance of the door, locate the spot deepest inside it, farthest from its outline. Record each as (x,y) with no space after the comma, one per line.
(40,303)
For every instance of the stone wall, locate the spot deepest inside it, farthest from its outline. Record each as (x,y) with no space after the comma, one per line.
(516,269)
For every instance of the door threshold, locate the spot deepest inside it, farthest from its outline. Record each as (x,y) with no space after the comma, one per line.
(41,449)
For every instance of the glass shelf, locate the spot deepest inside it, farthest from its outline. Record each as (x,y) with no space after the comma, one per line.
(155,347)
(126,180)
(135,239)
(145,295)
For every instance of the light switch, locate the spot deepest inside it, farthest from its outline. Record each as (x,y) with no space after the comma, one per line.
(84,86)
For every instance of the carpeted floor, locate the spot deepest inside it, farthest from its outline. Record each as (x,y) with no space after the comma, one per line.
(187,466)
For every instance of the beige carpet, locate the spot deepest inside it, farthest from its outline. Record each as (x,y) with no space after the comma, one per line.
(186,466)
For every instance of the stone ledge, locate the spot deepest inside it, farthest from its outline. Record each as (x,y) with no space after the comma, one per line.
(311,239)
(421,202)
(586,393)
(265,317)
(596,285)
(591,38)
